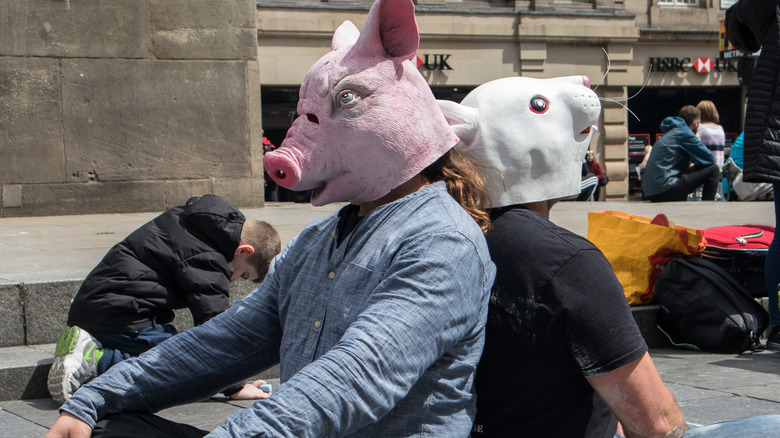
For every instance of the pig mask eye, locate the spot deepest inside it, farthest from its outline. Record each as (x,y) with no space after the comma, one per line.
(345,97)
(539,105)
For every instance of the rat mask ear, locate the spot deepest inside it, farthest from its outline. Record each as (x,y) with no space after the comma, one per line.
(463,119)
(390,30)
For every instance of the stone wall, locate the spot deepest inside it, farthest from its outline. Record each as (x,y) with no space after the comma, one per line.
(128,106)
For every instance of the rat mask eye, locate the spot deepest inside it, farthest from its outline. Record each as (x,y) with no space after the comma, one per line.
(539,105)
(345,97)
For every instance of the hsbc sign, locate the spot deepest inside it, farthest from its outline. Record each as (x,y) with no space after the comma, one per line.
(700,65)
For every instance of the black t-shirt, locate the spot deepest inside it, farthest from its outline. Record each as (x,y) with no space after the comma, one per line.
(557,314)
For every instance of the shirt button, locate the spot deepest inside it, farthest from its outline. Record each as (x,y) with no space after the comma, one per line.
(317,324)
(331,275)
(333,234)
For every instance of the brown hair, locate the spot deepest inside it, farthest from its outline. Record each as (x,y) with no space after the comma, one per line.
(709,113)
(265,241)
(689,113)
(464,183)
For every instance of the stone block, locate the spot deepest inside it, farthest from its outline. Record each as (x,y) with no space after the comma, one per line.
(12,320)
(92,198)
(131,120)
(615,151)
(615,134)
(11,195)
(203,29)
(241,192)
(616,189)
(23,371)
(614,116)
(645,317)
(46,309)
(616,170)
(30,120)
(178,192)
(72,28)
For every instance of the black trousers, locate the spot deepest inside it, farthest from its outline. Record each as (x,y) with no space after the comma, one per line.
(135,424)
(709,177)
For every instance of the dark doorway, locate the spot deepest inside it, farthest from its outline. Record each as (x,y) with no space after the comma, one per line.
(653,104)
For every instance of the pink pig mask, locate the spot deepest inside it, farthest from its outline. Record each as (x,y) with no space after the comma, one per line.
(368,121)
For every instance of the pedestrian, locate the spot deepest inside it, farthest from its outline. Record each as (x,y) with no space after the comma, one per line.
(752,25)
(680,162)
(376,314)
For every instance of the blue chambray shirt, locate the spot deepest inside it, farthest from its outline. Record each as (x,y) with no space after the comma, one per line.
(377,337)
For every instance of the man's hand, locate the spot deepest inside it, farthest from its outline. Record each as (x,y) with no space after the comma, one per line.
(69,426)
(251,392)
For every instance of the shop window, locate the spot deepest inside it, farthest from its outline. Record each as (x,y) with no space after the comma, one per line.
(688,3)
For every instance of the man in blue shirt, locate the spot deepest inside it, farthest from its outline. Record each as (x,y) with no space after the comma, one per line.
(680,162)
(376,315)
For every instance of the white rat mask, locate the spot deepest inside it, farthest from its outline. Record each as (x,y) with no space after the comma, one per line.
(368,121)
(534,131)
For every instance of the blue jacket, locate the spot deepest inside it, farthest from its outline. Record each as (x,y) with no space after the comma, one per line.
(671,155)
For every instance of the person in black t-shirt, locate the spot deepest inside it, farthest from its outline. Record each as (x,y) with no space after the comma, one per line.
(563,356)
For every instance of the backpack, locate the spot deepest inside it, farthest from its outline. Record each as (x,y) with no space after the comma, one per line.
(702,307)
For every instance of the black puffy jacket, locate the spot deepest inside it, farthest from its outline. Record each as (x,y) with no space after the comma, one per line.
(179,259)
(750,25)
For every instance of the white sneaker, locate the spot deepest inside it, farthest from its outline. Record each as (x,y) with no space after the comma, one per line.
(75,363)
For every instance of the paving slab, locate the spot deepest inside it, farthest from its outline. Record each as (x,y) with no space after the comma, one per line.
(29,418)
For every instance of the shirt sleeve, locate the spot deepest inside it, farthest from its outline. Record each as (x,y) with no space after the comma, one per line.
(432,296)
(699,153)
(594,316)
(192,365)
(598,170)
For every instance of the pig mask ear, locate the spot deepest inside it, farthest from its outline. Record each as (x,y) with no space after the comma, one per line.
(391,28)
(346,35)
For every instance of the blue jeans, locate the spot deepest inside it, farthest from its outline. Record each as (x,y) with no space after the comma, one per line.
(772,267)
(764,426)
(122,346)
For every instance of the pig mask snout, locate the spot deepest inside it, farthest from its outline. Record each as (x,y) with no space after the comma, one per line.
(283,165)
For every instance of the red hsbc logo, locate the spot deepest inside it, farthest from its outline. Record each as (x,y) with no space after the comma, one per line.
(703,65)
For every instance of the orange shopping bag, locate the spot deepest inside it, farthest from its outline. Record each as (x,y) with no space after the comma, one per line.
(638,248)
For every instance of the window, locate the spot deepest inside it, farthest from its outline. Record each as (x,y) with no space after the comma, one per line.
(678,2)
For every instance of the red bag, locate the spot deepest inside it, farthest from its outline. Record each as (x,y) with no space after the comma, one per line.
(741,250)
(740,236)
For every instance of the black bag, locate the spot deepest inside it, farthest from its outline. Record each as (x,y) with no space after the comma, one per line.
(702,307)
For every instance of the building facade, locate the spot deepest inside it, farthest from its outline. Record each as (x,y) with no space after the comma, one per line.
(110,107)
(644,58)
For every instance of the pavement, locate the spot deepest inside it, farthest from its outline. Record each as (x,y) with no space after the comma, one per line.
(59,250)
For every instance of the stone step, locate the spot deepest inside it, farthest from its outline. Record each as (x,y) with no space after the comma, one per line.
(35,312)
(24,369)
